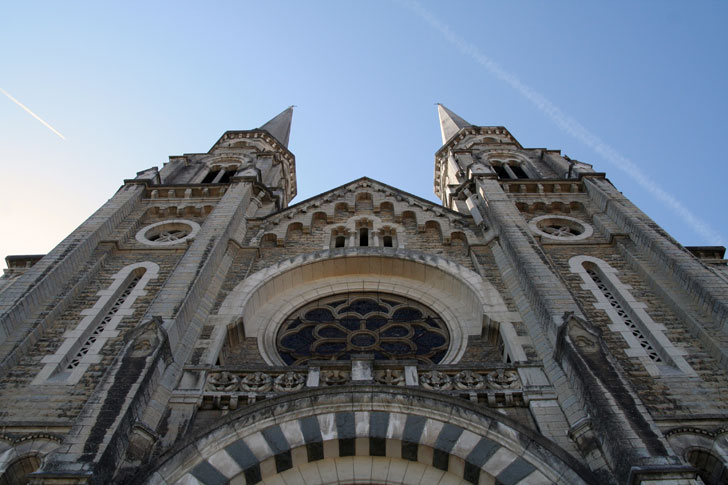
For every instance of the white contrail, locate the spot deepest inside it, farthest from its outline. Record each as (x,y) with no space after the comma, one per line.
(32,114)
(566,122)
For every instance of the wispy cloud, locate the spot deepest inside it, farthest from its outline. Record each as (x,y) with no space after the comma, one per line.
(566,122)
(27,110)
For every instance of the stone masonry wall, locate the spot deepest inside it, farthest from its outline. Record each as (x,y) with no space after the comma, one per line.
(673,395)
(20,401)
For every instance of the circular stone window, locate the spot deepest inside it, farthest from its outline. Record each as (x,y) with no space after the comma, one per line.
(167,233)
(388,327)
(560,228)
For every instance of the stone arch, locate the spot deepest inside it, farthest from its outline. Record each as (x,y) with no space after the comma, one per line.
(294,232)
(386,211)
(433,231)
(363,202)
(460,296)
(341,211)
(711,468)
(24,456)
(376,227)
(318,221)
(459,239)
(706,450)
(432,432)
(513,158)
(409,220)
(269,240)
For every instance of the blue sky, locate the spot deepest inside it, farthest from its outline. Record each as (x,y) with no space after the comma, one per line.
(130,83)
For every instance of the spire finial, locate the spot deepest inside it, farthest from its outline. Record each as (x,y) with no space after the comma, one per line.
(280,126)
(450,123)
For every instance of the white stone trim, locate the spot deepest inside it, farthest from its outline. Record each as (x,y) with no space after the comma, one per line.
(141,236)
(56,369)
(587,229)
(265,299)
(652,331)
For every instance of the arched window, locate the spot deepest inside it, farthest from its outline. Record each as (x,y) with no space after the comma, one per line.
(364,236)
(219,175)
(645,337)
(389,327)
(509,170)
(82,347)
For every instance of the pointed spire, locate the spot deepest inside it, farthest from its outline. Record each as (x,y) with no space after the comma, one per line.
(280,126)
(450,123)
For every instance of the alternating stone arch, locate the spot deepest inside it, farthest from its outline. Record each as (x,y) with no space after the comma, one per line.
(433,433)
(460,296)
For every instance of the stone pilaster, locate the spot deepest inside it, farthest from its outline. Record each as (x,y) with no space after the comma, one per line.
(544,300)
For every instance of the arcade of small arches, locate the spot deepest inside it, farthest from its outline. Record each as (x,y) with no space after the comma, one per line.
(382,227)
(509,165)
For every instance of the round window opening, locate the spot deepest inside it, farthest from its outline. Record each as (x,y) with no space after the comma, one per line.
(560,227)
(166,233)
(388,327)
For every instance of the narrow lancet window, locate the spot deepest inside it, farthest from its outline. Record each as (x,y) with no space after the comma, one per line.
(81,347)
(364,236)
(645,337)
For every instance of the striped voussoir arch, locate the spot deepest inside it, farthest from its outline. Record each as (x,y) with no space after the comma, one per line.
(406,437)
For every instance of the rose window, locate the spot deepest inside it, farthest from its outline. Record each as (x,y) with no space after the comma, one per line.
(167,233)
(561,228)
(171,235)
(386,326)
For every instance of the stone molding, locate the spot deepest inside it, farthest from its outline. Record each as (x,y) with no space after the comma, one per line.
(638,311)
(460,296)
(437,431)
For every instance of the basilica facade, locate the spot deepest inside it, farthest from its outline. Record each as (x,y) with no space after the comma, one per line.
(199,328)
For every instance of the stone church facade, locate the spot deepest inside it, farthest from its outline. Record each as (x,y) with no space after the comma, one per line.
(535,328)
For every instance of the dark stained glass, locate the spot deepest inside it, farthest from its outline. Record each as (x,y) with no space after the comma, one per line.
(388,327)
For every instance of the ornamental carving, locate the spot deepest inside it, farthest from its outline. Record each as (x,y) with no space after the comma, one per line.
(503,379)
(256,382)
(386,326)
(334,377)
(435,380)
(290,381)
(223,381)
(469,380)
(389,377)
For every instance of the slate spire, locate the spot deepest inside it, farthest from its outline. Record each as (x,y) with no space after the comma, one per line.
(450,123)
(280,126)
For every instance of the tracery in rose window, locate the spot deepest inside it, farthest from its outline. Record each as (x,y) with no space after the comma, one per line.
(389,327)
